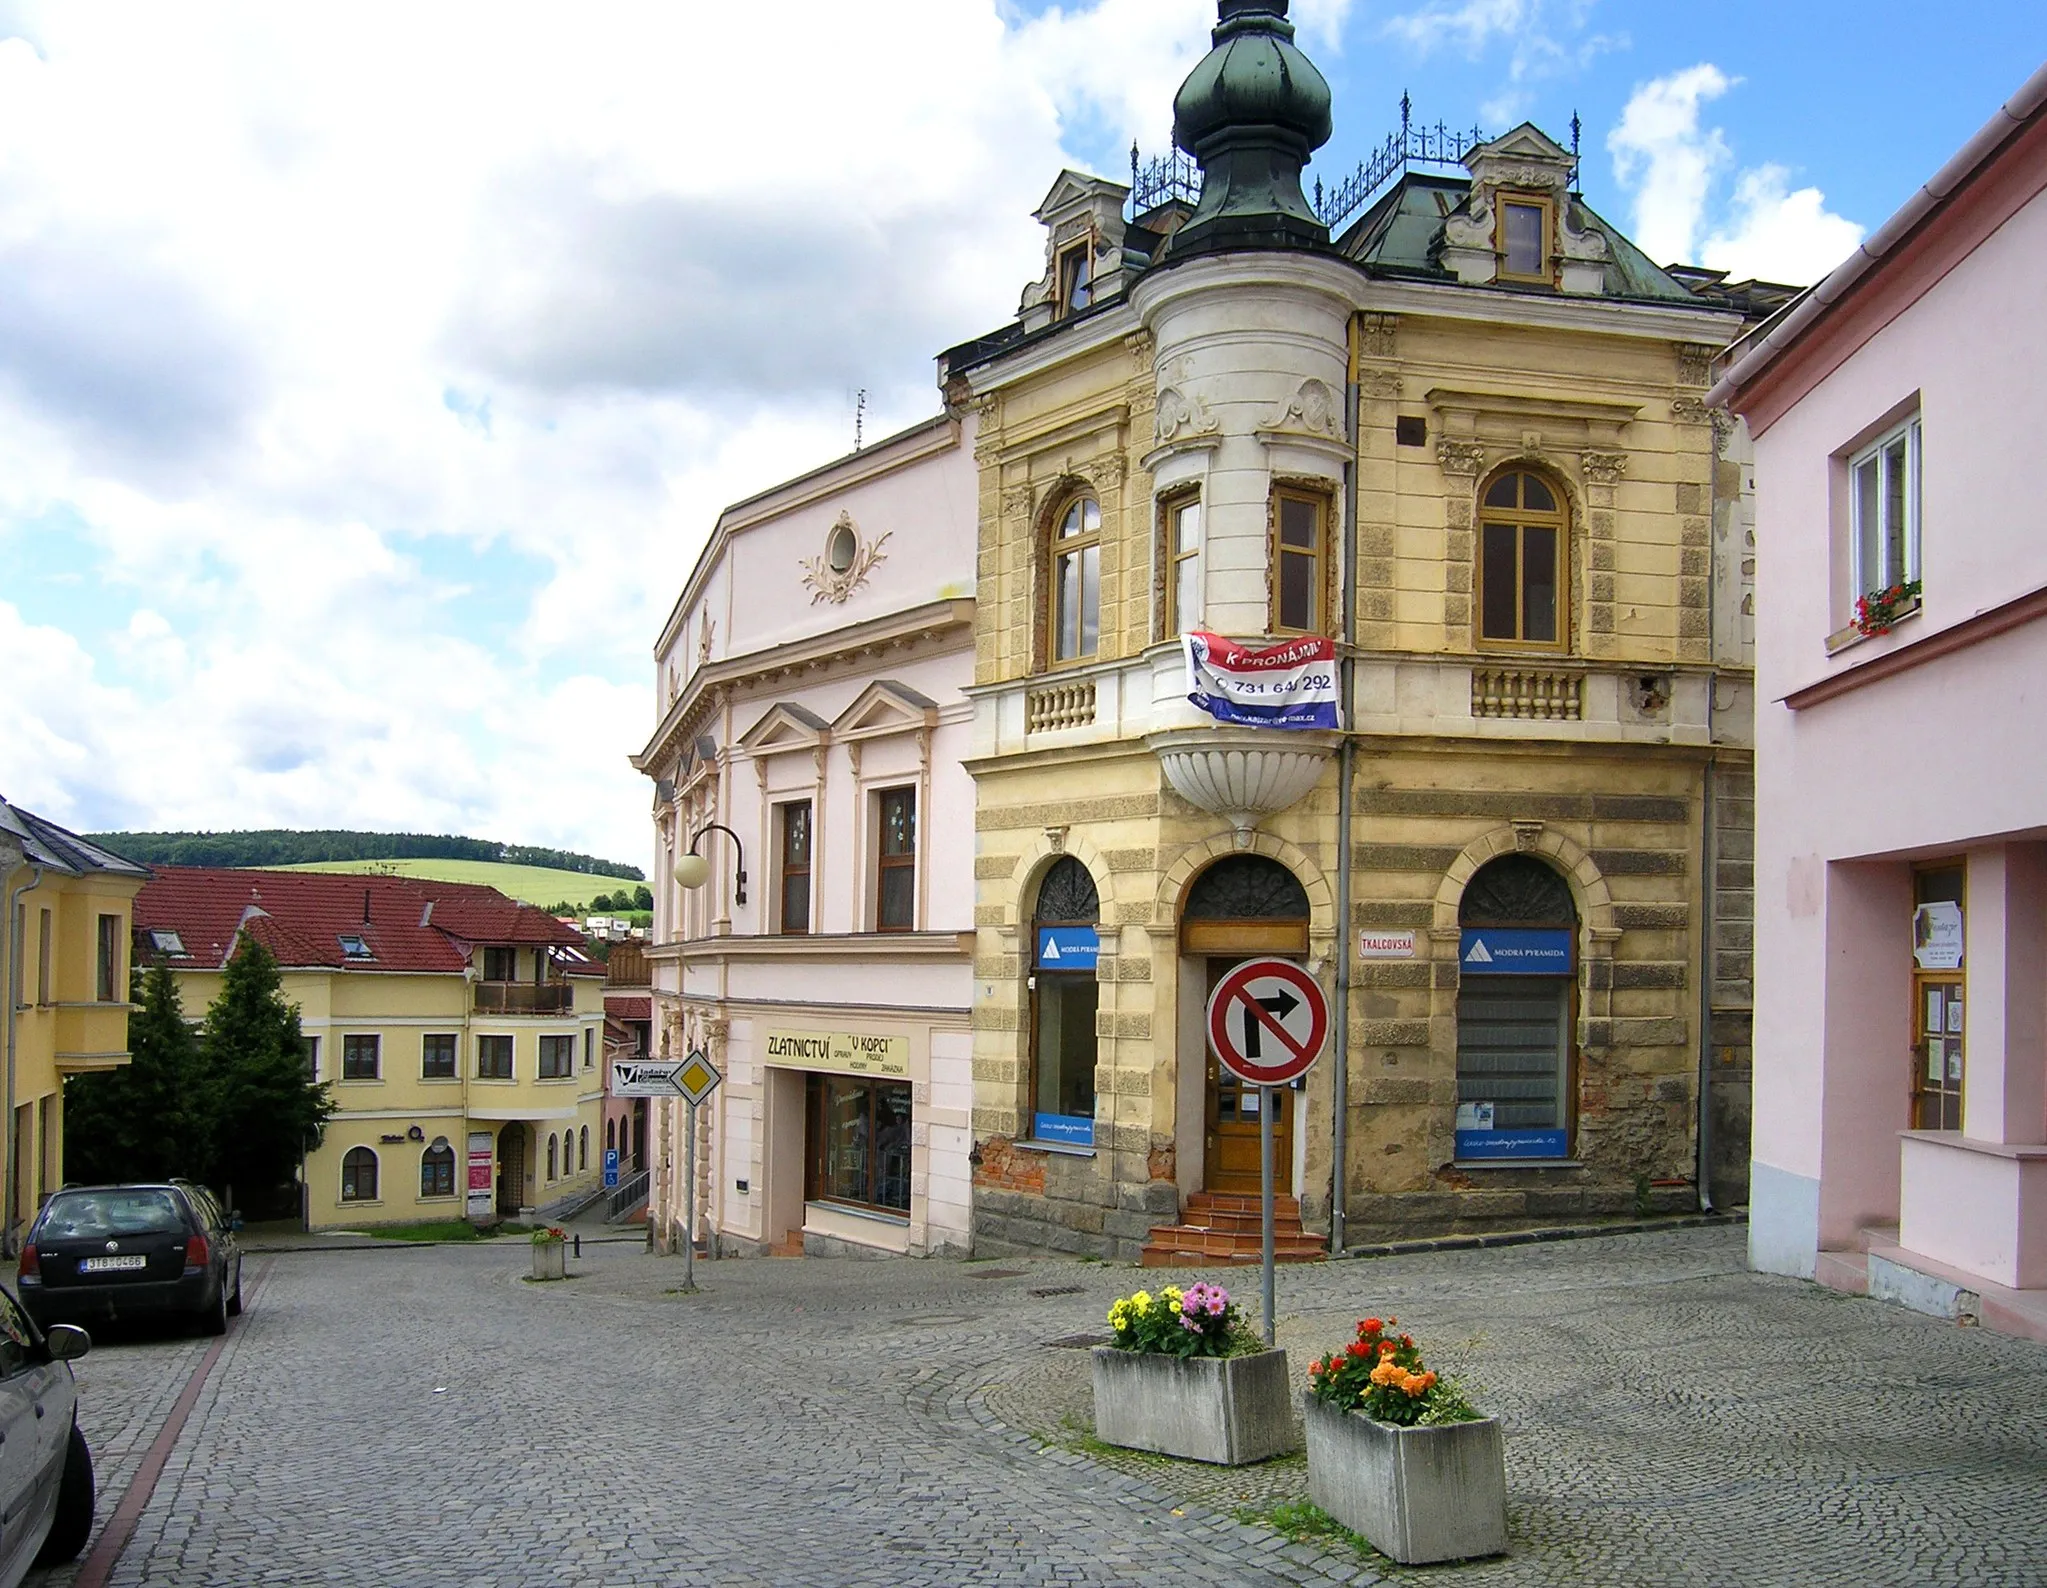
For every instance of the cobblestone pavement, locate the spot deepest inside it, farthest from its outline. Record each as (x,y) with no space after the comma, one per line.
(430,1417)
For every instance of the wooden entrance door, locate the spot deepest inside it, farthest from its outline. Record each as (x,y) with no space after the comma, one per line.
(1231,1163)
(511,1168)
(1937,1053)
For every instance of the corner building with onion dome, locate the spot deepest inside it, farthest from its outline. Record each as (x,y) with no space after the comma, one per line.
(1448,418)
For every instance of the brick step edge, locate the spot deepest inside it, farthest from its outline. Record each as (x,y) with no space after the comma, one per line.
(1561,1232)
(1157,1257)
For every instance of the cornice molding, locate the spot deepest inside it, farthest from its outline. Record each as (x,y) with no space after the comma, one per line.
(912,626)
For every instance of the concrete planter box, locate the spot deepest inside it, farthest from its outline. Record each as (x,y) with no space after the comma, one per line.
(1417,1494)
(550,1259)
(1228,1410)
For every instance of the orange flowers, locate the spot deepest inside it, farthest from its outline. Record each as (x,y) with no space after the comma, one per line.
(1381,1374)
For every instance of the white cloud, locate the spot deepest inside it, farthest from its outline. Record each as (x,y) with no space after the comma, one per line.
(1469,25)
(1673,166)
(1777,234)
(302,307)
(1545,39)
(1660,152)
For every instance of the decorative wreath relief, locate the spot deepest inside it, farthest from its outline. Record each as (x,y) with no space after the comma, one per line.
(845,563)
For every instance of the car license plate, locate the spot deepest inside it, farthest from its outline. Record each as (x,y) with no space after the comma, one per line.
(107,1265)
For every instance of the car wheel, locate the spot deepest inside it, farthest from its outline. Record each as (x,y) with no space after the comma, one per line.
(234,1305)
(214,1319)
(71,1523)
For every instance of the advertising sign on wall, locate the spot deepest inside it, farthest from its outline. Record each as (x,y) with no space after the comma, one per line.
(479,1173)
(1273,686)
(1512,1143)
(1514,951)
(1937,936)
(1068,947)
(841,1052)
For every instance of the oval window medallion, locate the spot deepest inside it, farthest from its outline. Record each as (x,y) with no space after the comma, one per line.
(845,564)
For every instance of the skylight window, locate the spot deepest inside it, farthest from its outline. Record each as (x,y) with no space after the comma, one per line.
(353,947)
(165,941)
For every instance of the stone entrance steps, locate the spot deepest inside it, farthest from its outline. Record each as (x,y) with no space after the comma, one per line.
(1218,1228)
(1884,1269)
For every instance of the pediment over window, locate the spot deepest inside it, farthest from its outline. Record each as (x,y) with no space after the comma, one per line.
(786,726)
(1511,424)
(884,707)
(1524,158)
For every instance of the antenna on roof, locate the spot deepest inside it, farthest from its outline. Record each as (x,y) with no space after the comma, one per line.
(859,415)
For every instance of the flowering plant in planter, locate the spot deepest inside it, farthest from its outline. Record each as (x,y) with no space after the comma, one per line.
(1198,1321)
(1878,610)
(1398,1454)
(550,1235)
(1380,1373)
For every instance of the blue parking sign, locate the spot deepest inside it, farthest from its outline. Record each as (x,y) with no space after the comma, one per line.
(611,1168)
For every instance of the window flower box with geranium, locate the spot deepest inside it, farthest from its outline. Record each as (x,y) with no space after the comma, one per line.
(1185,1377)
(1396,1452)
(1879,609)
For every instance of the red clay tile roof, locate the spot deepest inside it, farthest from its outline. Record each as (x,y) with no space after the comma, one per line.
(628,1006)
(406,923)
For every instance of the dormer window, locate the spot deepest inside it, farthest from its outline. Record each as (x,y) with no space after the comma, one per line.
(1523,243)
(1072,279)
(353,947)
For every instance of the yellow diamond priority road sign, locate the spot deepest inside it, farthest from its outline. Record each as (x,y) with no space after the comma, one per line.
(698,1076)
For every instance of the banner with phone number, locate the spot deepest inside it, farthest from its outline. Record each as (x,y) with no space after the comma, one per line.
(1292,685)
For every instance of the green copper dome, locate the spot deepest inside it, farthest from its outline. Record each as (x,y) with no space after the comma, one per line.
(1251,113)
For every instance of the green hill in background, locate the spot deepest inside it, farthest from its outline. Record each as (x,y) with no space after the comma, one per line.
(541,886)
(283,847)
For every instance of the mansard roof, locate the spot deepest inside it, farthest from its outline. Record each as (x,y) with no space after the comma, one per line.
(1402,235)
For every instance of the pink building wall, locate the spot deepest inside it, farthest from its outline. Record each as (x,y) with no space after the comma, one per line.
(1944,758)
(828,692)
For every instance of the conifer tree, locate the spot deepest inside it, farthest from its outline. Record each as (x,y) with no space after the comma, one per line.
(151,1119)
(268,1112)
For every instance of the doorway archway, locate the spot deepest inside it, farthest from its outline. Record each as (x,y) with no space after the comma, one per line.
(1242,907)
(511,1168)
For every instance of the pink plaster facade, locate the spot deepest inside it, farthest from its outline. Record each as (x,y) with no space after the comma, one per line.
(816,661)
(1879,754)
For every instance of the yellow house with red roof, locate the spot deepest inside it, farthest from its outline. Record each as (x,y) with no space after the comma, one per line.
(63,946)
(460,1032)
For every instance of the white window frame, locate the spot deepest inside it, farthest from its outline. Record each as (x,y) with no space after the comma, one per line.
(1862,579)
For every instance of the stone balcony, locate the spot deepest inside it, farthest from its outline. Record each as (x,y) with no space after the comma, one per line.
(1492,697)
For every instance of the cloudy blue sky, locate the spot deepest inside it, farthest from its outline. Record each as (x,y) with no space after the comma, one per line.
(370,374)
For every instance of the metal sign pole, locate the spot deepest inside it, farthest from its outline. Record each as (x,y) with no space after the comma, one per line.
(689,1204)
(1265,1197)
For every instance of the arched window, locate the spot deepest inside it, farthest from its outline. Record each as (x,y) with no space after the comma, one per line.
(1522,563)
(582,1148)
(553,1153)
(611,1135)
(437,1169)
(1076,581)
(1245,904)
(359,1175)
(1064,999)
(1516,960)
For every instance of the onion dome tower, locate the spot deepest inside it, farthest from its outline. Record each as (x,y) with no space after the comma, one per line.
(1251,113)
